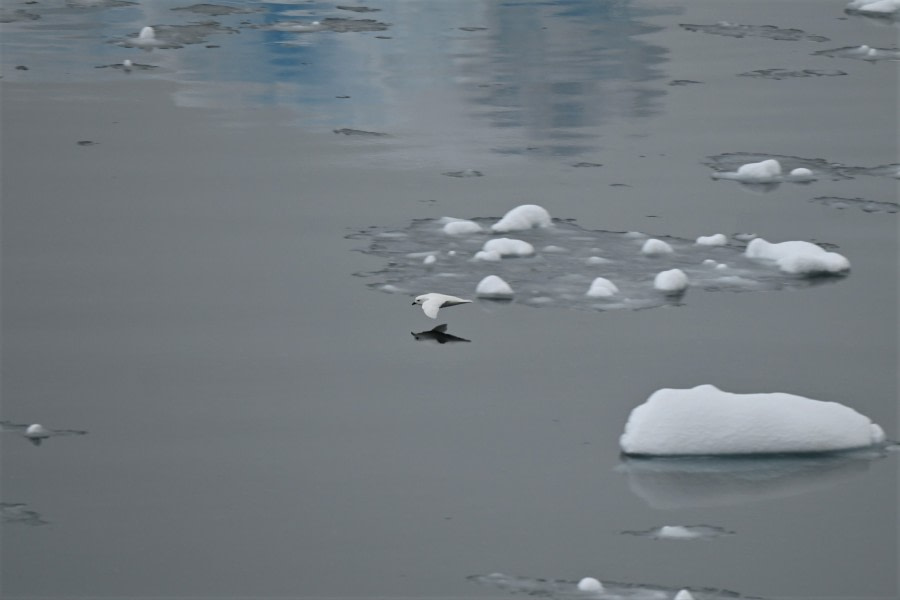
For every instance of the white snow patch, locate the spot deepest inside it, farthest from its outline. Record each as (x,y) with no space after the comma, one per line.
(602,288)
(798,257)
(493,286)
(589,584)
(523,217)
(461,227)
(673,281)
(655,247)
(707,421)
(508,247)
(717,239)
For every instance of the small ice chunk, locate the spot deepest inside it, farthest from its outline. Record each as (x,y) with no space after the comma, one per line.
(634,235)
(676,532)
(673,281)
(554,249)
(37,431)
(721,266)
(602,288)
(597,260)
(717,239)
(127,64)
(684,595)
(461,227)
(745,237)
(493,286)
(451,253)
(798,257)
(589,584)
(655,247)
(707,421)
(884,7)
(709,262)
(487,255)
(523,217)
(429,260)
(802,174)
(764,170)
(147,34)
(508,247)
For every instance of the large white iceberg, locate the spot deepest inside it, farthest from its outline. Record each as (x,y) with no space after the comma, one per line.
(523,217)
(707,421)
(798,257)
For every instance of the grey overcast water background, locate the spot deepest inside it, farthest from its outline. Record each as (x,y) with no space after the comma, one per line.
(262,424)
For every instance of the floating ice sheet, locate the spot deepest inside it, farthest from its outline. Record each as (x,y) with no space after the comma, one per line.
(565,590)
(681,532)
(823,169)
(565,262)
(764,31)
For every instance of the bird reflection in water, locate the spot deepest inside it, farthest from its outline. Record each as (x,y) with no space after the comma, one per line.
(438,334)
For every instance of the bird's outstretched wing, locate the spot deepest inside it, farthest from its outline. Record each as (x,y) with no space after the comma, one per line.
(432,306)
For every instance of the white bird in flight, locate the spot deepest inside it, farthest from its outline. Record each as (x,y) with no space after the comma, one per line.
(432,303)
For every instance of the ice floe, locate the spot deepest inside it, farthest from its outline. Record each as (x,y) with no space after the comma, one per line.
(602,288)
(863,52)
(732,161)
(764,31)
(334,25)
(562,589)
(799,258)
(707,421)
(869,206)
(494,287)
(549,277)
(717,239)
(681,532)
(779,74)
(175,36)
(879,8)
(521,218)
(654,247)
(673,281)
(35,432)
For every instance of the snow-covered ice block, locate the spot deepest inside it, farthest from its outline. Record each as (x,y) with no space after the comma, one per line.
(655,247)
(429,260)
(673,281)
(707,421)
(508,247)
(493,287)
(766,171)
(684,595)
(590,584)
(801,174)
(798,257)
(461,227)
(523,217)
(717,239)
(602,288)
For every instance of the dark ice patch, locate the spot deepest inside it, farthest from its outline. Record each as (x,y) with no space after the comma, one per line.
(778,74)
(762,31)
(358,9)
(869,206)
(18,513)
(464,173)
(360,133)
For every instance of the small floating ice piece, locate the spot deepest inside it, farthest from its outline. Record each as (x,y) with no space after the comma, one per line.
(602,288)
(429,260)
(461,227)
(508,247)
(127,64)
(494,287)
(717,239)
(673,281)
(597,260)
(878,7)
(798,257)
(684,595)
(521,218)
(37,431)
(707,421)
(655,247)
(554,249)
(590,584)
(801,174)
(766,171)
(487,255)
(682,532)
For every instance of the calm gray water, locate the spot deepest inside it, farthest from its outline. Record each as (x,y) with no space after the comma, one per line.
(262,424)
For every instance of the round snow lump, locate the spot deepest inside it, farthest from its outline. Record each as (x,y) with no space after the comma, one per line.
(493,287)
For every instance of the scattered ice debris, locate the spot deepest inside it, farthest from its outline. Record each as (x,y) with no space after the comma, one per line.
(673,281)
(684,595)
(175,36)
(15,512)
(438,334)
(590,584)
(37,433)
(429,260)
(360,133)
(667,483)
(869,206)
(602,288)
(722,267)
(731,161)
(863,52)
(682,532)
(655,247)
(508,247)
(464,174)
(560,279)
(493,287)
(460,226)
(875,8)
(779,74)
(521,218)
(764,31)
(431,303)
(562,589)
(707,421)
(799,258)
(717,239)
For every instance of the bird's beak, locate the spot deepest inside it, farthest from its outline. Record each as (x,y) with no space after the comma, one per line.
(413,303)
